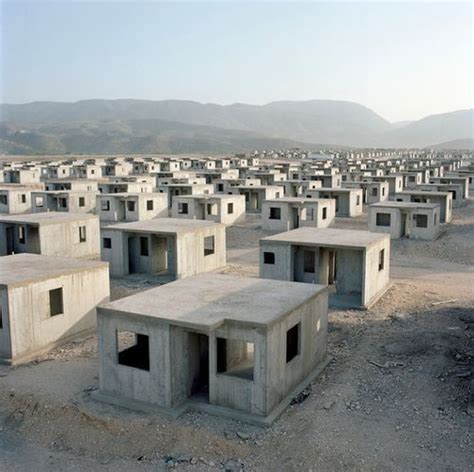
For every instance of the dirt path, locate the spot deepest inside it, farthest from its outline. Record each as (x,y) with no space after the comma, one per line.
(394,398)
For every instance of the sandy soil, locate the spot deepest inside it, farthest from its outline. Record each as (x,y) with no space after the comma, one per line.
(394,398)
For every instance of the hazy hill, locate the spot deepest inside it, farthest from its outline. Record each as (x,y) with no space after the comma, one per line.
(134,136)
(314,121)
(456,144)
(185,126)
(433,129)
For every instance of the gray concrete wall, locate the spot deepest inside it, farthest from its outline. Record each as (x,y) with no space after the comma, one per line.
(282,377)
(63,239)
(15,205)
(376,281)
(5,341)
(31,326)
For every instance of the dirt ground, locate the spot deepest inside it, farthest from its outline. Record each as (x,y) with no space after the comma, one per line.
(394,398)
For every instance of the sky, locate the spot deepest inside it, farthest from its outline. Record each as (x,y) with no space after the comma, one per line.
(403,60)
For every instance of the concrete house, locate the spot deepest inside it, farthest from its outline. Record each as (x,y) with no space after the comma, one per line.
(443,199)
(255,195)
(297,188)
(372,192)
(395,182)
(21,176)
(176,248)
(283,214)
(45,301)
(355,264)
(15,200)
(118,207)
(51,234)
(175,188)
(230,346)
(348,201)
(128,185)
(226,209)
(63,201)
(405,219)
(71,185)
(456,191)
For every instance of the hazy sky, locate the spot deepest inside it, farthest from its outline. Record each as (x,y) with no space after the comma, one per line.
(404,60)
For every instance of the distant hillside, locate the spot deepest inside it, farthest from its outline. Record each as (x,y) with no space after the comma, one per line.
(134,136)
(183,126)
(315,121)
(433,129)
(467,144)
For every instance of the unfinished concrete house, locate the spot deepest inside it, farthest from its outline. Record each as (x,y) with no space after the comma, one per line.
(170,247)
(117,207)
(229,346)
(71,185)
(443,199)
(456,191)
(226,209)
(297,188)
(283,214)
(63,201)
(21,176)
(372,192)
(405,220)
(51,234)
(45,301)
(348,201)
(255,195)
(176,188)
(15,200)
(355,264)
(131,184)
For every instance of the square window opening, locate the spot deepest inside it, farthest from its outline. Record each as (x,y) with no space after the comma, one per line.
(325,213)
(421,221)
(269,258)
(383,219)
(82,201)
(235,357)
(230,208)
(149,205)
(275,213)
(133,350)
(107,243)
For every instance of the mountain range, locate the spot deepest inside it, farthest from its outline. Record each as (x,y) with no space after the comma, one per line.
(174,126)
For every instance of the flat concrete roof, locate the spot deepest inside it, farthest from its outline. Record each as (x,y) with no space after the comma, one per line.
(207,300)
(21,268)
(328,237)
(408,205)
(423,192)
(164,225)
(332,189)
(47,218)
(297,200)
(210,196)
(131,194)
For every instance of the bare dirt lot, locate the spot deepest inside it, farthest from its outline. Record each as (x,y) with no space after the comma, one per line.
(394,398)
